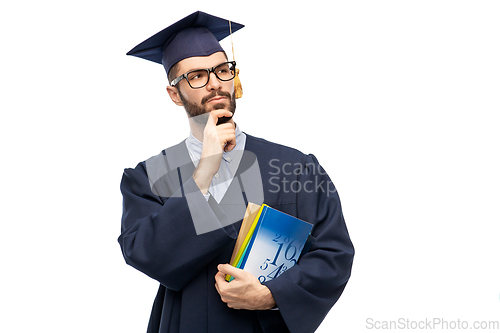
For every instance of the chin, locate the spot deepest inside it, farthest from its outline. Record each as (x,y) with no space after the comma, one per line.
(219,106)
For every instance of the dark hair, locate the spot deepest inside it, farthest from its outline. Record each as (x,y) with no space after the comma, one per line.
(172,73)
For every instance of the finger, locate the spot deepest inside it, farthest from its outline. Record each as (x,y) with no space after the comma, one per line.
(226,127)
(228,269)
(211,121)
(227,137)
(226,132)
(220,278)
(230,145)
(216,114)
(217,287)
(228,140)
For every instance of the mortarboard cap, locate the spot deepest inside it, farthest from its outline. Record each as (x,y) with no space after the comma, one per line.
(195,35)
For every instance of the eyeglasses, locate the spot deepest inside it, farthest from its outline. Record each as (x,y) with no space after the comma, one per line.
(199,78)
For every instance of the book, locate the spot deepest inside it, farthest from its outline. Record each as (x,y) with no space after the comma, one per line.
(250,215)
(270,242)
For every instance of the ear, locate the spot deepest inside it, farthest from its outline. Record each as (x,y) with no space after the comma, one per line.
(173,92)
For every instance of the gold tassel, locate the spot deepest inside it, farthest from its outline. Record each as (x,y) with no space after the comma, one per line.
(238,89)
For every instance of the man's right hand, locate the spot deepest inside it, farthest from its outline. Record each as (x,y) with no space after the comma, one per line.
(216,139)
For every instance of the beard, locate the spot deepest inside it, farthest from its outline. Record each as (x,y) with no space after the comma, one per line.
(199,112)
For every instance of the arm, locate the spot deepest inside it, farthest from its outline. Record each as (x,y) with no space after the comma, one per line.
(159,237)
(215,140)
(305,293)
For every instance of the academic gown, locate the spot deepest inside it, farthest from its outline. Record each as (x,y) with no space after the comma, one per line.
(162,237)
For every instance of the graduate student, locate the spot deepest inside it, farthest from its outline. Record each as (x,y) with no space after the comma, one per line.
(182,209)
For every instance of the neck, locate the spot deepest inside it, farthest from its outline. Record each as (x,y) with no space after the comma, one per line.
(196,129)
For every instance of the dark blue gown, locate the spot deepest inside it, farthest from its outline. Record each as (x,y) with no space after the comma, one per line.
(159,238)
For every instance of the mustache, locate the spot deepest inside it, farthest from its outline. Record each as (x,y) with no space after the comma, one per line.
(214,93)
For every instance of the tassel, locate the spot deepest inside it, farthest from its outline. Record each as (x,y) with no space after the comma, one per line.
(238,89)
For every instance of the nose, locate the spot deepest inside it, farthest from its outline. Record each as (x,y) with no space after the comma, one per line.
(213,82)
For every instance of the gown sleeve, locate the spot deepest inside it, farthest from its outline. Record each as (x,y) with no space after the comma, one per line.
(305,293)
(158,236)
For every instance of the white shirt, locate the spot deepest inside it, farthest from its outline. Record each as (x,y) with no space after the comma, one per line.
(228,166)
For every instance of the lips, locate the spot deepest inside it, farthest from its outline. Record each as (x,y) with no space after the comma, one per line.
(215,96)
(217,99)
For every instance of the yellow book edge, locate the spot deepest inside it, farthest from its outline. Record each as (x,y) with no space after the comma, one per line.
(250,213)
(247,238)
(245,234)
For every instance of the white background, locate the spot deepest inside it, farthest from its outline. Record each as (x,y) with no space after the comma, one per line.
(399,101)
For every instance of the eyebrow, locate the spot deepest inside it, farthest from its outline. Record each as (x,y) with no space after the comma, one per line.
(199,68)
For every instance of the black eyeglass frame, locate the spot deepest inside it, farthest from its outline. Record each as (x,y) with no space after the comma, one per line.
(209,70)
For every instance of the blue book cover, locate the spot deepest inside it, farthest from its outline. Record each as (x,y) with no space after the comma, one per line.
(276,244)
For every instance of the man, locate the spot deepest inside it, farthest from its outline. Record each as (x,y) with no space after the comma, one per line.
(182,209)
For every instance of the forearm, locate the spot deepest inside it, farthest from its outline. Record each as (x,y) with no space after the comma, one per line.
(202,178)
(161,239)
(315,283)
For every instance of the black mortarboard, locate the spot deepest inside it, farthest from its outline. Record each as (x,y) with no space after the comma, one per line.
(195,35)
